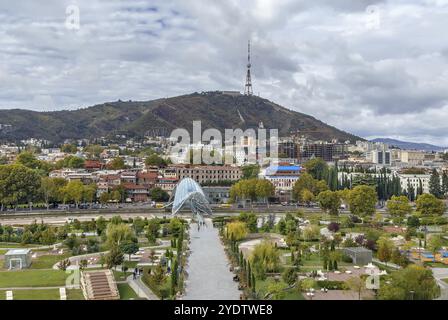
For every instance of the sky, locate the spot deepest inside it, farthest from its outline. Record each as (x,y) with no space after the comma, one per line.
(372,68)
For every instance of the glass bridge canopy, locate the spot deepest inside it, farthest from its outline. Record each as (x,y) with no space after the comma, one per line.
(188,194)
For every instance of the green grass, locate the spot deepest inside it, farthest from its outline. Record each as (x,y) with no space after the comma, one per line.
(47,261)
(435,265)
(41,294)
(130,264)
(293,294)
(75,294)
(3,251)
(290,294)
(159,290)
(17,245)
(126,292)
(32,278)
(120,275)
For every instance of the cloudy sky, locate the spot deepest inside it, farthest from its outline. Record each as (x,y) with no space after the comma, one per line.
(373,68)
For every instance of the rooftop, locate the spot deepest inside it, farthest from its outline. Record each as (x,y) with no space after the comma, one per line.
(17,252)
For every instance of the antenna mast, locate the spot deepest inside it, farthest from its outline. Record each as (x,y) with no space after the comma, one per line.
(248,87)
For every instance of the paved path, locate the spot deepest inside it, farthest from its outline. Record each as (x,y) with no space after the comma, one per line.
(209,277)
(439,274)
(389,264)
(140,288)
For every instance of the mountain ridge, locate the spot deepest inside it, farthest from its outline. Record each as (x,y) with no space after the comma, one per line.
(409,145)
(135,118)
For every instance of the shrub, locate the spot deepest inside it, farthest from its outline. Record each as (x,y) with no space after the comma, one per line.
(332,285)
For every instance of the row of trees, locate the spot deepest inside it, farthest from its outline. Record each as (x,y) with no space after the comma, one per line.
(438,186)
(386,186)
(252,189)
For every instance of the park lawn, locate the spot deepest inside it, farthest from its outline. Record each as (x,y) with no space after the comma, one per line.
(47,261)
(315,262)
(159,290)
(32,278)
(445,280)
(126,292)
(293,294)
(435,265)
(37,294)
(3,251)
(75,294)
(43,294)
(130,264)
(120,275)
(16,245)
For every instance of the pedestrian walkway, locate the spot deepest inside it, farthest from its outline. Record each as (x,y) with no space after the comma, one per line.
(209,277)
(140,288)
(439,275)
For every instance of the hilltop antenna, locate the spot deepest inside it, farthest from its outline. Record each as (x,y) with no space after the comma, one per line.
(248,87)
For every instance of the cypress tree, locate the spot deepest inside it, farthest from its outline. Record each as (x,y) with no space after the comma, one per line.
(253,283)
(330,265)
(444,183)
(420,187)
(174,278)
(249,275)
(434,184)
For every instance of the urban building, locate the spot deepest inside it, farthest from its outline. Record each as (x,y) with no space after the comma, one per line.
(213,174)
(414,181)
(283,177)
(327,151)
(217,194)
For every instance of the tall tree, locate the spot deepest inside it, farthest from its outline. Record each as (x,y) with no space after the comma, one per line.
(385,249)
(329,201)
(362,200)
(428,204)
(444,184)
(434,184)
(317,168)
(399,206)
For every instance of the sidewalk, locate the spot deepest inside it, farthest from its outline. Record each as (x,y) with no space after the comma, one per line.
(140,288)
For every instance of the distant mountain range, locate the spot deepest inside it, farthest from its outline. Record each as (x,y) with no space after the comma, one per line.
(409,145)
(137,118)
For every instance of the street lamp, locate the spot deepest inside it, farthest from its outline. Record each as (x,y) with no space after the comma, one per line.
(412,294)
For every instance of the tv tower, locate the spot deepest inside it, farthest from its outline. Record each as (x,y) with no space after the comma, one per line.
(248,87)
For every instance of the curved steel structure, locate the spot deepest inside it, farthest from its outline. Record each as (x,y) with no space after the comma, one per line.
(188,194)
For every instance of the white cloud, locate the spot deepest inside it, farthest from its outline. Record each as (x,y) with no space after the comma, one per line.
(374,68)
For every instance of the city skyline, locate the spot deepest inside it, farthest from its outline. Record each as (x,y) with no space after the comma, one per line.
(372,68)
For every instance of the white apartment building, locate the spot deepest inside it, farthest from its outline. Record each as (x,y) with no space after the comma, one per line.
(414,181)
